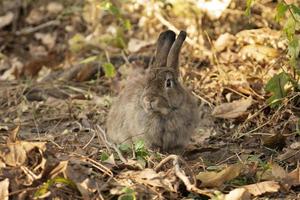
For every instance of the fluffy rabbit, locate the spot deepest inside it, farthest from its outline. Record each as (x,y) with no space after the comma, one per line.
(156,107)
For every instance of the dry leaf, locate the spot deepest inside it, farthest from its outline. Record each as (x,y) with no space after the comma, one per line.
(4,194)
(224,41)
(6,19)
(48,39)
(54,7)
(262,187)
(258,52)
(238,194)
(232,110)
(35,16)
(15,154)
(274,173)
(277,171)
(215,179)
(294,177)
(134,45)
(214,8)
(149,177)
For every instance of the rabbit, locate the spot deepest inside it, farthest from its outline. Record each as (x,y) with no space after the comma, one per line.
(156,107)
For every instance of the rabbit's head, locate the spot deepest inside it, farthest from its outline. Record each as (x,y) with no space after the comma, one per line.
(163,92)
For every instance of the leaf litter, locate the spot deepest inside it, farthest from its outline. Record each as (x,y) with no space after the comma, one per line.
(61,64)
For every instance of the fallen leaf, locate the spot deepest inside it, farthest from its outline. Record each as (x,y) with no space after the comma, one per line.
(54,7)
(224,41)
(258,52)
(238,194)
(273,173)
(35,16)
(276,141)
(15,154)
(262,187)
(6,19)
(134,45)
(232,110)
(294,177)
(295,145)
(216,179)
(4,194)
(149,177)
(48,39)
(214,8)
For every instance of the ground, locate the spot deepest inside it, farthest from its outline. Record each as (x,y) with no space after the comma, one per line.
(63,62)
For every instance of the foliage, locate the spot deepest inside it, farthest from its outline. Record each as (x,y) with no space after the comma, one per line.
(129,194)
(139,148)
(289,14)
(44,189)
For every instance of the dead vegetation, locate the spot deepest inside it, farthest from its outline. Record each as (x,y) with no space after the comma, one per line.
(62,62)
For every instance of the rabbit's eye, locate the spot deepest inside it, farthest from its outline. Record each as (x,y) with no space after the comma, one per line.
(169,83)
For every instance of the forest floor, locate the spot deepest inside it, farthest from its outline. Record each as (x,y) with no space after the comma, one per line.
(63,62)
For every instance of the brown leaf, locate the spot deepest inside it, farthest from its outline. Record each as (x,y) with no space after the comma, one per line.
(215,179)
(15,154)
(35,16)
(258,52)
(134,45)
(276,141)
(54,7)
(149,177)
(294,177)
(274,173)
(6,19)
(262,187)
(224,41)
(13,135)
(238,194)
(4,194)
(232,110)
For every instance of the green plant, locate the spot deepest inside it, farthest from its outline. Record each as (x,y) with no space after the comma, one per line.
(139,148)
(289,14)
(45,188)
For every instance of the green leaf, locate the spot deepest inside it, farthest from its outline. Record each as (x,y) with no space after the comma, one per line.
(276,86)
(139,145)
(77,42)
(129,194)
(289,28)
(127,190)
(89,59)
(281,9)
(111,8)
(124,147)
(295,9)
(127,197)
(248,7)
(104,156)
(46,186)
(293,50)
(127,24)
(109,70)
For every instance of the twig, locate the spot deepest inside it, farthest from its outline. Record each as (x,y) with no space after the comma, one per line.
(203,99)
(181,175)
(111,145)
(88,143)
(37,28)
(94,163)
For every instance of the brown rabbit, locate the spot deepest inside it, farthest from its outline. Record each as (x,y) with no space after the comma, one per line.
(156,107)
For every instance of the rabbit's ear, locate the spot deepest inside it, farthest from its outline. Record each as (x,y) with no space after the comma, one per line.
(173,57)
(164,44)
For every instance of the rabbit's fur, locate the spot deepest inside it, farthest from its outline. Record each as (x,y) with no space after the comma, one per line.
(156,107)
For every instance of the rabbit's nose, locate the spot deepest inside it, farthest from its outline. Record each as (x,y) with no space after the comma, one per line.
(148,103)
(153,104)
